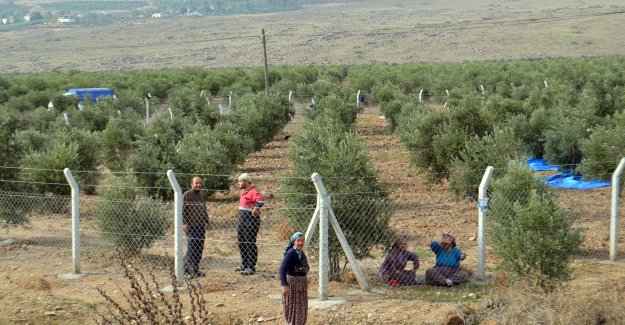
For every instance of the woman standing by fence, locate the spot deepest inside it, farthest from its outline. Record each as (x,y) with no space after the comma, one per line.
(293,280)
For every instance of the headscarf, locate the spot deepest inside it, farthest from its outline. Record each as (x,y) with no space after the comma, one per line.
(399,240)
(452,239)
(292,242)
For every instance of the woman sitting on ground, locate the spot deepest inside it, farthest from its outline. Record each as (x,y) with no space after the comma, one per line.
(447,270)
(393,270)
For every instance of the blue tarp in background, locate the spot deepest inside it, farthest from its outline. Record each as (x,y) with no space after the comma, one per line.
(563,180)
(94,93)
(540,164)
(567,180)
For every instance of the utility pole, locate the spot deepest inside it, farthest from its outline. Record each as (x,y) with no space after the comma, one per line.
(266,69)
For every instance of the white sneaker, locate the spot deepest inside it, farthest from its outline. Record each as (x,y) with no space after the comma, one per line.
(247,271)
(238,268)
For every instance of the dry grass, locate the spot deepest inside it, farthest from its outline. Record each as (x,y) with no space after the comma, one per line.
(517,303)
(394,31)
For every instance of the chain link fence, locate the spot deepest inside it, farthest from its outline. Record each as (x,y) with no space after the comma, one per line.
(39,229)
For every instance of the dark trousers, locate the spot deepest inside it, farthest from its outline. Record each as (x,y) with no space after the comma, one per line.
(247,230)
(195,248)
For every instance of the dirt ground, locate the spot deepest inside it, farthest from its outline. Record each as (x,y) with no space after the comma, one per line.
(32,293)
(358,32)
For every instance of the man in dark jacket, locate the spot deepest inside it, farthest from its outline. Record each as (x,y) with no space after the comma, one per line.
(194,223)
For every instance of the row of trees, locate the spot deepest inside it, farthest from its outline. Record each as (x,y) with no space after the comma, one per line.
(503,111)
(328,144)
(574,120)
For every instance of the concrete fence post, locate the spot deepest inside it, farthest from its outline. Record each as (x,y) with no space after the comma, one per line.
(616,188)
(178,263)
(75,220)
(482,204)
(324,258)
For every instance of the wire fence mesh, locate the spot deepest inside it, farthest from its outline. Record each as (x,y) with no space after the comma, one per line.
(371,221)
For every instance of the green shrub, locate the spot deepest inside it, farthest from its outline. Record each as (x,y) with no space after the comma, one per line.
(495,149)
(91,118)
(189,101)
(562,142)
(10,150)
(200,153)
(533,236)
(604,149)
(43,170)
(337,109)
(392,110)
(128,219)
(261,116)
(15,208)
(115,143)
(358,200)
(417,131)
(238,144)
(42,119)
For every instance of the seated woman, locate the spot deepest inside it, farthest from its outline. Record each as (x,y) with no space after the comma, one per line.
(392,270)
(447,270)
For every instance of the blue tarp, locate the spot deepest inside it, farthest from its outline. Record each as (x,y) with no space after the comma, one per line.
(563,180)
(95,93)
(540,164)
(567,180)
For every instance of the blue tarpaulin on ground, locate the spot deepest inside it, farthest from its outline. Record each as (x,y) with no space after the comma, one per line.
(563,180)
(567,180)
(540,164)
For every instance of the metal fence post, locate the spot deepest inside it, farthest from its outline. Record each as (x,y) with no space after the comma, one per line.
(616,187)
(482,204)
(147,111)
(324,259)
(75,220)
(177,226)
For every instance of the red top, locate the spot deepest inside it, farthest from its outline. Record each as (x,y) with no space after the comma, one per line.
(250,199)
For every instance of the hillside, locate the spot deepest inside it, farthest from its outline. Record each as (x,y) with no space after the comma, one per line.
(360,32)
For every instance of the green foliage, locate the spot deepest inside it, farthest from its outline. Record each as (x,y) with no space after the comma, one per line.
(494,149)
(200,153)
(15,208)
(43,170)
(71,149)
(65,103)
(337,109)
(10,150)
(261,116)
(236,142)
(604,149)
(116,141)
(325,146)
(562,141)
(127,218)
(435,138)
(392,110)
(154,154)
(533,236)
(417,131)
(192,104)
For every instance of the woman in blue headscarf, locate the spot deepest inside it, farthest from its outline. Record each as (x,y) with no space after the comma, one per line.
(293,280)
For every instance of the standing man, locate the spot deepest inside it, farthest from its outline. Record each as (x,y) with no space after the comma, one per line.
(249,222)
(194,223)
